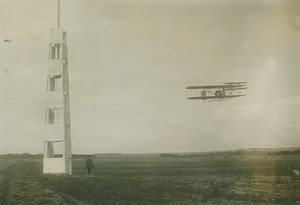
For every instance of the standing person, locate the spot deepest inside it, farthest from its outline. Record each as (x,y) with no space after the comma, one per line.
(89,164)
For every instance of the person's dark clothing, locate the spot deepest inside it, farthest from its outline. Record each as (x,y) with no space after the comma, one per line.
(89,165)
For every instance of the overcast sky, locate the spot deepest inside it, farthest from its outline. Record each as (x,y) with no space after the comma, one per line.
(129,64)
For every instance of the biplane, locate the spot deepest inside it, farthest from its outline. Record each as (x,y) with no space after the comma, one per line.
(217,92)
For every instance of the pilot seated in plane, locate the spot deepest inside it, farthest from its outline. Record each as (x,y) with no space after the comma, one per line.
(219,93)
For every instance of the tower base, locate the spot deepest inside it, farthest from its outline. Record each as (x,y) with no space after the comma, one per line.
(57,166)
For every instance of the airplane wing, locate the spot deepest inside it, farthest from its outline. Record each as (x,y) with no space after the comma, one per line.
(225,86)
(236,88)
(206,87)
(214,97)
(235,83)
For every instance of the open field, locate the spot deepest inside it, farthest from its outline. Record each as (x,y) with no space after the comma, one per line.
(151,179)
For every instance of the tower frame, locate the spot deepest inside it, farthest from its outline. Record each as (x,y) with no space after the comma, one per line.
(57,112)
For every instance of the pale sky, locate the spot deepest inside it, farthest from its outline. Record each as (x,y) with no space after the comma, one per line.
(129,64)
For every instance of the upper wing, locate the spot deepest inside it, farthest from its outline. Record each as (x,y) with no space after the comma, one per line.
(235,83)
(206,87)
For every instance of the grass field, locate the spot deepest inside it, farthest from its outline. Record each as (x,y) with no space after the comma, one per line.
(151,179)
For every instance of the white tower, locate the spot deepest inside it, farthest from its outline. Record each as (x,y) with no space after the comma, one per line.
(57,143)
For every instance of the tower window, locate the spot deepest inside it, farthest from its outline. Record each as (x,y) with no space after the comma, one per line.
(54,116)
(54,82)
(53,149)
(55,51)
(50,116)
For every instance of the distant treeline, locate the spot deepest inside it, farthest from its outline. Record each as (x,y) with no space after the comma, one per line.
(21,156)
(36,156)
(82,155)
(286,152)
(174,155)
(234,153)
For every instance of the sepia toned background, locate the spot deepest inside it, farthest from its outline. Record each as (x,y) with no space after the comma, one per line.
(129,64)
